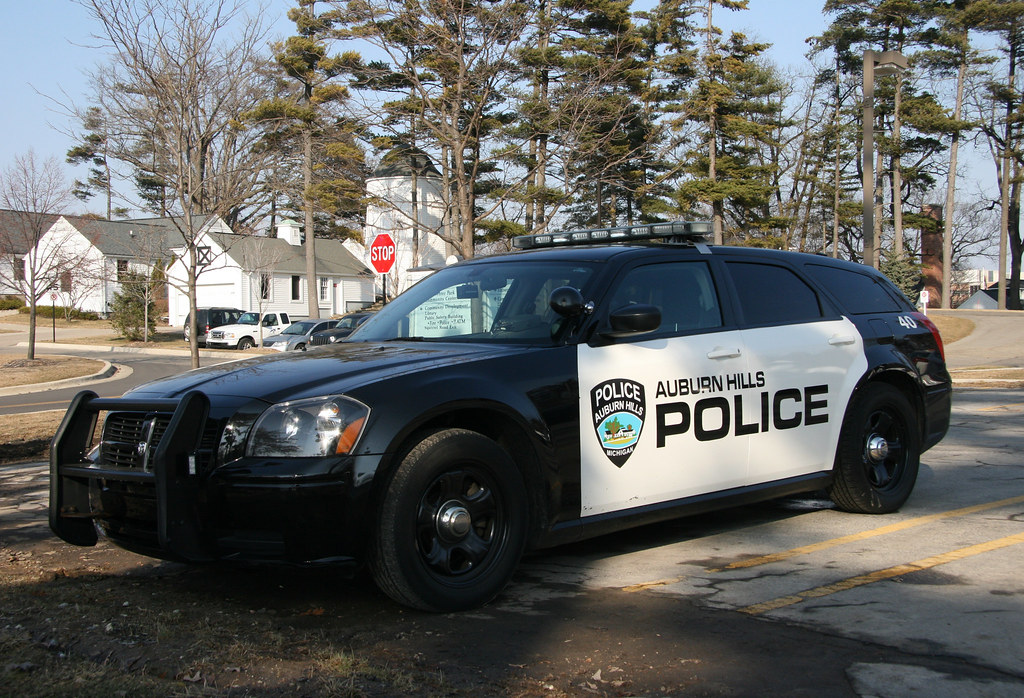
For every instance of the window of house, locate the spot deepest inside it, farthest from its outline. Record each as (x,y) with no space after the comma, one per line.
(325,288)
(264,282)
(122,269)
(65,282)
(19,268)
(204,256)
(296,287)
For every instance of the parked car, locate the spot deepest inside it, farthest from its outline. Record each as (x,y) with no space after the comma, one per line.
(248,331)
(208,318)
(296,336)
(346,326)
(595,380)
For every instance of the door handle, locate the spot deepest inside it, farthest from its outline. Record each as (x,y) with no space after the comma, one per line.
(723,353)
(838,340)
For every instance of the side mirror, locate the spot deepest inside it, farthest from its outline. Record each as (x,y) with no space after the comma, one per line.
(633,319)
(567,302)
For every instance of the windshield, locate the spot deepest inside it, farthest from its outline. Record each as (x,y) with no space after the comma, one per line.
(299,327)
(501,301)
(249,319)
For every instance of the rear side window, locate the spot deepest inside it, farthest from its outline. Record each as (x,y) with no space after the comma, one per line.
(771,295)
(857,293)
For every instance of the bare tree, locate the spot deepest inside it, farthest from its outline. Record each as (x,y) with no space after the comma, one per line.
(35,194)
(182,73)
(259,257)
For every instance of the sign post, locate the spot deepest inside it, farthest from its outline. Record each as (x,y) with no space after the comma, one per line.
(382,257)
(53,315)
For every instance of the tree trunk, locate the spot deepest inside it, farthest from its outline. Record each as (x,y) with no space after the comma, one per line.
(897,173)
(947,223)
(313,301)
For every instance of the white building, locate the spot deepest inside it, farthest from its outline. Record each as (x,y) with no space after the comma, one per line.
(405,192)
(269,274)
(88,256)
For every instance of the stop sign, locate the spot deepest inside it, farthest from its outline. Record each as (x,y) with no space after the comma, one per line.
(382,253)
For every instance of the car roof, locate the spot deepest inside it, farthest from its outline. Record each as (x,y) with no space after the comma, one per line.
(604,253)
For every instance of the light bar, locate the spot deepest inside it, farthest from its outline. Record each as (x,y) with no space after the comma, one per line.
(687,231)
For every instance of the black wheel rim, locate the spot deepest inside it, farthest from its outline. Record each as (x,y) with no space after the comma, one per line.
(885,453)
(461,525)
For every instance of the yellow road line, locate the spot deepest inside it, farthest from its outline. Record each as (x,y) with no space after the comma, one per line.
(880,575)
(863,535)
(632,588)
(1000,407)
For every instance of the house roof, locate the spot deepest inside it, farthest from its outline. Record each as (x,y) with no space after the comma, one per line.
(132,238)
(401,162)
(20,230)
(331,256)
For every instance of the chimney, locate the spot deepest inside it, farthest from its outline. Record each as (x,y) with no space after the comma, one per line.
(289,231)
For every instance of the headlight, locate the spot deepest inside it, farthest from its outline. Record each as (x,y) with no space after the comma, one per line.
(320,426)
(332,339)
(229,335)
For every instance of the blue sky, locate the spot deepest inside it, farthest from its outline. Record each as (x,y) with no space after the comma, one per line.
(46,46)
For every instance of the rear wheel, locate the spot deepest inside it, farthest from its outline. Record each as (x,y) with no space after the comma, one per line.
(452,523)
(879,452)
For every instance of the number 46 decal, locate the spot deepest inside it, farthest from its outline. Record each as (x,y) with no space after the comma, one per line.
(908,322)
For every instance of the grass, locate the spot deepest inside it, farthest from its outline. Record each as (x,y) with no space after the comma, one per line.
(951,327)
(15,369)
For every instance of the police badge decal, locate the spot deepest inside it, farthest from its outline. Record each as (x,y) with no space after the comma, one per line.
(618,408)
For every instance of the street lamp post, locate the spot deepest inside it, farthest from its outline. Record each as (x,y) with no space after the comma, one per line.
(875,63)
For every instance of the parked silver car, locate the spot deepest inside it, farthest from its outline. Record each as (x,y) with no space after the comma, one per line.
(295,337)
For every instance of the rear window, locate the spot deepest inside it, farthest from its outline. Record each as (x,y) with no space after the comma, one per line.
(858,293)
(772,295)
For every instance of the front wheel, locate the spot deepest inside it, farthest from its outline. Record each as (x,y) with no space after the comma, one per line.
(452,523)
(300,347)
(245,343)
(879,452)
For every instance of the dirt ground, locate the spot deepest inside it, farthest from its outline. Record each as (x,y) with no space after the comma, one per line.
(104,622)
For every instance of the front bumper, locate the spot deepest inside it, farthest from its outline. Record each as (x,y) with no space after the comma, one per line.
(165,497)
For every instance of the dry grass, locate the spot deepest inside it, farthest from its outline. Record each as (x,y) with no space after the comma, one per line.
(17,370)
(952,328)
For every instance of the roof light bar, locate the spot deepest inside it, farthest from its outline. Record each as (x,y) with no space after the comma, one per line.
(690,231)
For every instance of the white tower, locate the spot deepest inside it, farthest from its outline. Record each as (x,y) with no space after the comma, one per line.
(406,202)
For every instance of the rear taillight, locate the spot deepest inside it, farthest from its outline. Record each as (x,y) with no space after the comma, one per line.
(927,322)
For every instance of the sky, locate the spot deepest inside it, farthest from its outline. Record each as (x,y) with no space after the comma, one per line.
(47,46)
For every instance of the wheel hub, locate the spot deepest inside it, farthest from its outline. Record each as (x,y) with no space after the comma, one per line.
(453,520)
(877,448)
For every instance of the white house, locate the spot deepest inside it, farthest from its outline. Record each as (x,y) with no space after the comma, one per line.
(405,192)
(88,256)
(269,274)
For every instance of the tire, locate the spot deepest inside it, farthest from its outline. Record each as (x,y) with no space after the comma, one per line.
(452,523)
(879,452)
(300,347)
(245,343)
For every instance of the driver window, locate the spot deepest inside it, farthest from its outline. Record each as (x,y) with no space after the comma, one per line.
(682,291)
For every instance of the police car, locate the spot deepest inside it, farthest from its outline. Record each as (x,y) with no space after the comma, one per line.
(592,381)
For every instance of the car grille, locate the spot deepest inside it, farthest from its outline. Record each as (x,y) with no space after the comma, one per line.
(130,439)
(216,334)
(317,341)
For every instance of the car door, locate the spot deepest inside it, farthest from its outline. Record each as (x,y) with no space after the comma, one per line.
(656,409)
(806,360)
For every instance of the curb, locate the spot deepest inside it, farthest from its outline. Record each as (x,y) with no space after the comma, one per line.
(107,371)
(203,353)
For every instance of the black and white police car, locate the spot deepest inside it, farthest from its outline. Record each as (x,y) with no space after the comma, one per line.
(596,380)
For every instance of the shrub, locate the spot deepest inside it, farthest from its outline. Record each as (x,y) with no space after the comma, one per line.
(11,303)
(128,310)
(50,311)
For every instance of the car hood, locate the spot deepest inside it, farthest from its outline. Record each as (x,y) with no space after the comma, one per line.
(326,370)
(237,328)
